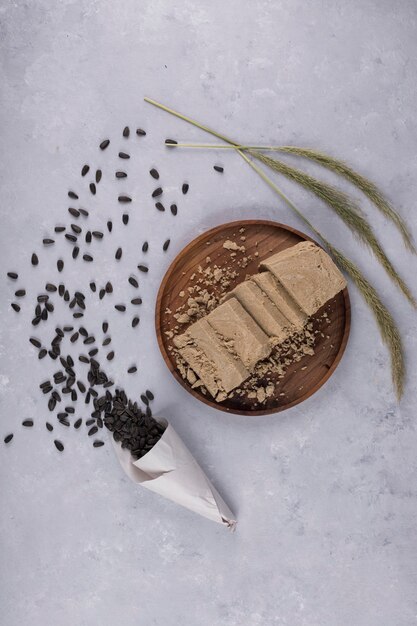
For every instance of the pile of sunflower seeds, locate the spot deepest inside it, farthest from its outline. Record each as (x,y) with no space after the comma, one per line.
(132,426)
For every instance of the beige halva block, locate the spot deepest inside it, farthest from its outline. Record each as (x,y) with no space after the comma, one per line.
(276,292)
(228,370)
(241,332)
(262,309)
(204,369)
(307,273)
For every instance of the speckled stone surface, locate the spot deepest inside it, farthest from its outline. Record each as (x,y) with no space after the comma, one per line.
(325,493)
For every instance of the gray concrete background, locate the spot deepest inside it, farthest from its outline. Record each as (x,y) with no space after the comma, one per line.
(325,493)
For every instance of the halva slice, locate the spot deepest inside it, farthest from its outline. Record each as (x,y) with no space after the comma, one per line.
(281,298)
(307,273)
(240,331)
(228,370)
(262,309)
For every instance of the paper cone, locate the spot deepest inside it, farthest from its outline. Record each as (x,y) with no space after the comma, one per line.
(170,470)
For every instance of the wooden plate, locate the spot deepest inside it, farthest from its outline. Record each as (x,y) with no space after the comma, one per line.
(302,378)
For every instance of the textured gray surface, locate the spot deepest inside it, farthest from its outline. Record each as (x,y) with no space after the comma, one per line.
(325,494)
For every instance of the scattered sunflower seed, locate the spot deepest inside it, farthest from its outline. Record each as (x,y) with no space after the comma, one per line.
(59,446)
(185,188)
(104,144)
(166,245)
(85,170)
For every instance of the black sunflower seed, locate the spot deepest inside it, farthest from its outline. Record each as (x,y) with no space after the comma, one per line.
(83,359)
(93,188)
(49,426)
(124,155)
(35,342)
(59,229)
(50,287)
(104,144)
(20,293)
(118,254)
(166,245)
(218,168)
(76,229)
(97,443)
(140,132)
(74,212)
(160,206)
(149,394)
(121,174)
(144,399)
(73,195)
(125,219)
(93,352)
(59,446)
(99,174)
(88,258)
(85,170)
(174,209)
(61,289)
(157,192)
(126,131)
(154,173)
(109,226)
(132,369)
(75,252)
(88,236)
(74,337)
(78,423)
(170,142)
(13,275)
(135,322)
(84,212)
(97,234)
(92,431)
(47,241)
(42,353)
(34,260)
(109,287)
(27,423)
(124,199)
(136,301)
(145,247)
(185,188)
(106,341)
(93,287)
(110,356)
(120,307)
(143,268)
(102,293)
(105,327)
(8,438)
(132,280)
(60,265)
(70,237)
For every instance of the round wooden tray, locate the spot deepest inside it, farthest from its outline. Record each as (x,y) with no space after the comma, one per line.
(302,378)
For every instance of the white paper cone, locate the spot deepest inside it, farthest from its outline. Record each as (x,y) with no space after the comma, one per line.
(170,470)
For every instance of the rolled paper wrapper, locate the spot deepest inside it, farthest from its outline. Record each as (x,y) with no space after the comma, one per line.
(170,469)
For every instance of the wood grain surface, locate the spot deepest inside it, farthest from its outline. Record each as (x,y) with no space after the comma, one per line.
(266,238)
